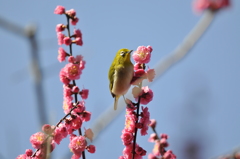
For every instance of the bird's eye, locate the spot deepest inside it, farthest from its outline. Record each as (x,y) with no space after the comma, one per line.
(122,53)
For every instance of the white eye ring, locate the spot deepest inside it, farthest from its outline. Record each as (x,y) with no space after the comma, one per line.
(122,53)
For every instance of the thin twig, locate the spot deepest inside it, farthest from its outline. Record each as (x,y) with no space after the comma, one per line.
(60,121)
(74,83)
(136,129)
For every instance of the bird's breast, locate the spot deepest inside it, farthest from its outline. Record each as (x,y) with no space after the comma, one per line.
(122,78)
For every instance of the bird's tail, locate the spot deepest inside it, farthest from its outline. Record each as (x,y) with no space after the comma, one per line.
(116,102)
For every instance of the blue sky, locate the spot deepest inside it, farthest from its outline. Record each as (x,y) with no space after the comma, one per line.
(196,101)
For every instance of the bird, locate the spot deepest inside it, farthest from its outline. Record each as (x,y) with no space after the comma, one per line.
(120,74)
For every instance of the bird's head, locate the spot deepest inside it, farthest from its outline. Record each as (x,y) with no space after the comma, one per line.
(123,55)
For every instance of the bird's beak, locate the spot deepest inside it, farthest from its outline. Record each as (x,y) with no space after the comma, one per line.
(130,51)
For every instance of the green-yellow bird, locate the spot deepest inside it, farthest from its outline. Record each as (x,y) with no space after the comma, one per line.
(120,74)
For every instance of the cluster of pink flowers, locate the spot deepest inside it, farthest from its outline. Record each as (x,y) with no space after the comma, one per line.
(75,112)
(135,120)
(142,56)
(68,74)
(200,5)
(161,143)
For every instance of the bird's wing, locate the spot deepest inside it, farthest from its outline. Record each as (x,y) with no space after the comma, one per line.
(111,79)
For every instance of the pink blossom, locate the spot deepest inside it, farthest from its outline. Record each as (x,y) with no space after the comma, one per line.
(75,89)
(145,120)
(153,123)
(28,152)
(67,41)
(67,94)
(52,146)
(71,13)
(63,77)
(37,139)
(151,156)
(77,144)
(67,106)
(61,54)
(77,33)
(142,55)
(152,137)
(165,136)
(137,66)
(78,41)
(91,148)
(139,75)
(80,108)
(169,155)
(164,142)
(149,48)
(76,60)
(57,137)
(62,129)
(78,37)
(156,148)
(73,123)
(76,156)
(47,129)
(84,93)
(150,74)
(127,138)
(72,71)
(71,59)
(22,156)
(82,64)
(59,10)
(41,153)
(60,37)
(200,5)
(127,151)
(146,95)
(139,125)
(130,123)
(140,151)
(60,133)
(60,27)
(74,21)
(86,116)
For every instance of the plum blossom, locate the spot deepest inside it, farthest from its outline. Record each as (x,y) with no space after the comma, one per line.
(61,54)
(37,139)
(77,144)
(127,138)
(200,5)
(91,148)
(143,54)
(60,27)
(71,13)
(72,71)
(74,20)
(145,120)
(59,10)
(67,40)
(146,95)
(84,93)
(60,37)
